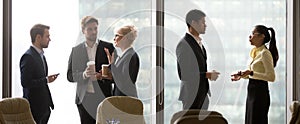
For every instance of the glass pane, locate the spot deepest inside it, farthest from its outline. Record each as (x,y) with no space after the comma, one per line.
(65,33)
(116,13)
(64,29)
(226,39)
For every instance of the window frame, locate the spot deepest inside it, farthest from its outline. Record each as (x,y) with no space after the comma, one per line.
(292,57)
(7,46)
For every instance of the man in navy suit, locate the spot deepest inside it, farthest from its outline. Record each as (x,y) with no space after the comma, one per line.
(34,71)
(90,91)
(191,64)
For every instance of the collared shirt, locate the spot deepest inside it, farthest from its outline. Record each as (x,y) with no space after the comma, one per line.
(198,40)
(41,52)
(121,54)
(91,51)
(262,64)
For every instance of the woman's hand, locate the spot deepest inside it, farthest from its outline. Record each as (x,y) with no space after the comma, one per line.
(247,72)
(99,76)
(109,56)
(236,76)
(240,74)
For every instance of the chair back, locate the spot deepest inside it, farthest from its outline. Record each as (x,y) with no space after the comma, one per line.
(295,110)
(15,111)
(201,119)
(122,109)
(192,112)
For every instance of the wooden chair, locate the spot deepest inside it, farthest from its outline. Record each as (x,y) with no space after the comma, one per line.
(295,110)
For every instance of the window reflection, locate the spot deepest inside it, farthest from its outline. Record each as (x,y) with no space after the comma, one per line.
(113,14)
(226,40)
(228,49)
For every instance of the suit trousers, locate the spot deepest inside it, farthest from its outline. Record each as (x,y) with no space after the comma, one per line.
(85,117)
(41,117)
(88,108)
(258,102)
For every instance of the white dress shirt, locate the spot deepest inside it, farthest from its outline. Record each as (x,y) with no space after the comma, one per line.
(41,52)
(198,40)
(91,51)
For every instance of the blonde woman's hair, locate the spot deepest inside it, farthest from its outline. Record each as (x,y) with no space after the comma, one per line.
(129,32)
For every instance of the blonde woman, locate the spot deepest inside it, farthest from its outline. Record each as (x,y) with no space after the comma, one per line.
(124,65)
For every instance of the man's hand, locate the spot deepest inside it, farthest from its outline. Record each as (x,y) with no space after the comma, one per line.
(213,76)
(52,78)
(109,56)
(88,72)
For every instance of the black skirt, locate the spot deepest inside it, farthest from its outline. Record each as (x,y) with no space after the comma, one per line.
(258,102)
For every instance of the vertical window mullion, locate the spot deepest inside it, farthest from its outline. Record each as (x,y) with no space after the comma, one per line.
(7,45)
(160,61)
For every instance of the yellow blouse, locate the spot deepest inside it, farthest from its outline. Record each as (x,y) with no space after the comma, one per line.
(262,64)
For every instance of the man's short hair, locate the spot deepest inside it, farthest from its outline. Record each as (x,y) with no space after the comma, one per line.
(195,15)
(87,19)
(37,29)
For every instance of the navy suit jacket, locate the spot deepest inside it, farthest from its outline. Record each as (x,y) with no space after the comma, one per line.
(77,65)
(34,81)
(192,68)
(125,72)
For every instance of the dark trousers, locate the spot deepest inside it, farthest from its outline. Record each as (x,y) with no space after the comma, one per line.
(41,117)
(88,108)
(258,102)
(198,103)
(85,117)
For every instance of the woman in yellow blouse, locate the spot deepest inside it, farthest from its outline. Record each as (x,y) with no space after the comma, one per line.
(260,72)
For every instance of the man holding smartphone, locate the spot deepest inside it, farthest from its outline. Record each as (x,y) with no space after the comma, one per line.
(34,75)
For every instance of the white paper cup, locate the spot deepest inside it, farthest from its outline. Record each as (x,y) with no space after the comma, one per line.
(91,65)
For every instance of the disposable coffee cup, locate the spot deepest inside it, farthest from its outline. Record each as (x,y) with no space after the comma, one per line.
(91,65)
(105,70)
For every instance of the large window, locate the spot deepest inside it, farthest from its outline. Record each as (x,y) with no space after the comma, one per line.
(65,32)
(63,19)
(229,23)
(116,13)
(226,40)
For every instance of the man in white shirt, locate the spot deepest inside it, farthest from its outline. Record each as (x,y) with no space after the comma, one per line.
(192,66)
(90,91)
